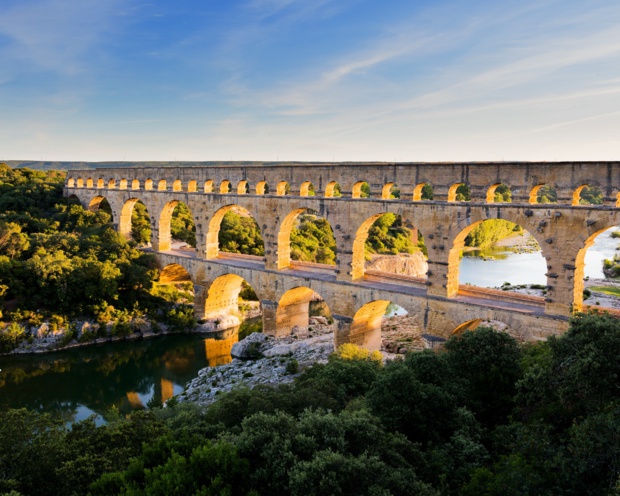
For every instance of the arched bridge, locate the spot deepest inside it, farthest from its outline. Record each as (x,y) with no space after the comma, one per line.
(276,195)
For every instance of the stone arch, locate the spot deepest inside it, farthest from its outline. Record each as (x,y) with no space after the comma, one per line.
(208,187)
(294,309)
(578,285)
(174,273)
(284,236)
(283,188)
(503,187)
(80,182)
(470,325)
(365,329)
(89,182)
(162,185)
(577,198)
(225,187)
(550,194)
(358,190)
(177,185)
(192,186)
(125,226)
(262,188)
(101,203)
(148,184)
(100,183)
(213,234)
(390,192)
(453,192)
(165,218)
(122,184)
(111,183)
(222,301)
(454,256)
(332,190)
(71,183)
(243,188)
(423,191)
(358,261)
(135,184)
(306,189)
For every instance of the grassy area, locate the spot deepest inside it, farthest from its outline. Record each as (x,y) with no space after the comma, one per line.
(608,290)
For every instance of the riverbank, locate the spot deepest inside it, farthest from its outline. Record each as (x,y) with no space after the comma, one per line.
(263,360)
(47,338)
(598,299)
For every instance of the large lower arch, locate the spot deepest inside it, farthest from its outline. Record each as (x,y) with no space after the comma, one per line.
(213,234)
(294,309)
(366,326)
(323,255)
(223,297)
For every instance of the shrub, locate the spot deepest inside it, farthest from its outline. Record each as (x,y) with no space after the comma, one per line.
(292,367)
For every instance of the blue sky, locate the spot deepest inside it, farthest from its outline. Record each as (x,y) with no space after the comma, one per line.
(317,80)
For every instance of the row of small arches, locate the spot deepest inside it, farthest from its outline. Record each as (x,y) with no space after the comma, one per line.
(496,193)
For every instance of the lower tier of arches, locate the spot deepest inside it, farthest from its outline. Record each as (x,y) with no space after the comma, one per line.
(357,309)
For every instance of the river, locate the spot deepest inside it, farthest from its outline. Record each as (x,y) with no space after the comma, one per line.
(529,268)
(124,376)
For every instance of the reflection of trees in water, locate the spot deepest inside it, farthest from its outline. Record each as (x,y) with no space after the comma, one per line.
(96,378)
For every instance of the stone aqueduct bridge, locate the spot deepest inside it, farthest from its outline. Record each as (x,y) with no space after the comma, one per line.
(564,230)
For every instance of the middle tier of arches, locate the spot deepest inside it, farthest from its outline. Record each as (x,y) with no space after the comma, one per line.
(444,230)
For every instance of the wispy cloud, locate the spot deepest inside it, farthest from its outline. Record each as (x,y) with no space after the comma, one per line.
(53,35)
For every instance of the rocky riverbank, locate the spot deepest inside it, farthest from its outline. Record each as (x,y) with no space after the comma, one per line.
(260,359)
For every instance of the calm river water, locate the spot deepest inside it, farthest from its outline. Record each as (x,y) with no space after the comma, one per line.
(530,268)
(129,375)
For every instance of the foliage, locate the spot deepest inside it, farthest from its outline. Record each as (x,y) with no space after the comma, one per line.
(182,226)
(502,194)
(240,234)
(463,193)
(484,417)
(487,233)
(312,240)
(387,235)
(350,351)
(140,224)
(59,260)
(546,194)
(591,195)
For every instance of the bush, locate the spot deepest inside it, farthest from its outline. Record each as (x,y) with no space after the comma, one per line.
(292,367)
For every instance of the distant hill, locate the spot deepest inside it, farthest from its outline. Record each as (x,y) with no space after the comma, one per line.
(49,165)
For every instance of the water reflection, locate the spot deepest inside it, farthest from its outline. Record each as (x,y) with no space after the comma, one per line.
(75,384)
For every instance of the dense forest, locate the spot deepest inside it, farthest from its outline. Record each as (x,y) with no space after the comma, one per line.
(487,416)
(59,261)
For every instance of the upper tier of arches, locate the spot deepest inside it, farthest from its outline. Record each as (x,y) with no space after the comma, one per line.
(591,193)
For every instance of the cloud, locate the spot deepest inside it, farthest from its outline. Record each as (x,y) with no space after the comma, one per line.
(53,35)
